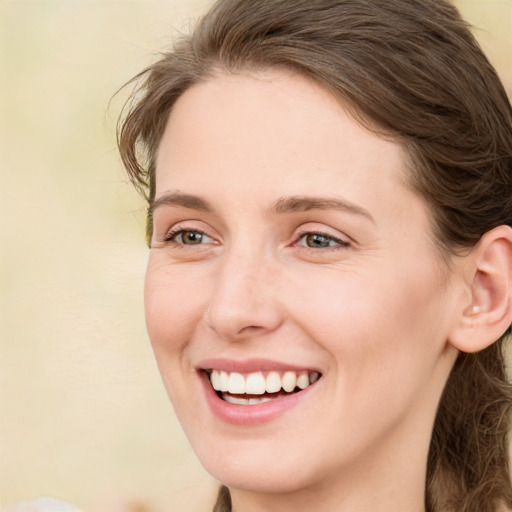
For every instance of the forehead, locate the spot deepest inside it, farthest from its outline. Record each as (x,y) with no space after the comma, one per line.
(268,120)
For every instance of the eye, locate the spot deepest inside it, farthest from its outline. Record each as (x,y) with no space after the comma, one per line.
(187,237)
(314,240)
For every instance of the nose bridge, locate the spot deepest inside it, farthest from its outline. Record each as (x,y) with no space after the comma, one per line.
(242,300)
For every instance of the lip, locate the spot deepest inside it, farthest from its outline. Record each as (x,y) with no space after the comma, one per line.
(251,365)
(251,415)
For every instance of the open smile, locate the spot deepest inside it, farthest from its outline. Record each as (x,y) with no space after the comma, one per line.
(255,391)
(259,387)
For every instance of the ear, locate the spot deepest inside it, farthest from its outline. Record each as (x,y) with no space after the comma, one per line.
(488,313)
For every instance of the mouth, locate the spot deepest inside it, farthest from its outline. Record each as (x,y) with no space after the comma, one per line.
(259,387)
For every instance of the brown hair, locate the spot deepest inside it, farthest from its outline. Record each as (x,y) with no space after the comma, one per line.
(411,71)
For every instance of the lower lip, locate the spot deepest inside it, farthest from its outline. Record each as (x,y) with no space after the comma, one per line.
(247,415)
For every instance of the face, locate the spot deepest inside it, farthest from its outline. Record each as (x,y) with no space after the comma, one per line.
(293,270)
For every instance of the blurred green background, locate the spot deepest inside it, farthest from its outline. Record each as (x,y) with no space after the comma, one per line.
(83,415)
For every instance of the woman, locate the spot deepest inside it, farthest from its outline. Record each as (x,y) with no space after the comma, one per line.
(329,283)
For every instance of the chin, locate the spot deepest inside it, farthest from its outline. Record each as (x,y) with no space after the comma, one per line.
(257,468)
(265,480)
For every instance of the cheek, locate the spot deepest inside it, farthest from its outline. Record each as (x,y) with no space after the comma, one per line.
(383,329)
(173,307)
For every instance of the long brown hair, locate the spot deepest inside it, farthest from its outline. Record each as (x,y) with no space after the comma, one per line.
(411,71)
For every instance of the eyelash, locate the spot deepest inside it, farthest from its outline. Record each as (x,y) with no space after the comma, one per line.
(330,238)
(173,234)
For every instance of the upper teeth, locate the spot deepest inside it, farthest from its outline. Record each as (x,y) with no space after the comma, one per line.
(257,384)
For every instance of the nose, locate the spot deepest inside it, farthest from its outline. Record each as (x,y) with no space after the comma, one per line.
(244,300)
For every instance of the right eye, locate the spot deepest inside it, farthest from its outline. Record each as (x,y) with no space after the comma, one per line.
(187,237)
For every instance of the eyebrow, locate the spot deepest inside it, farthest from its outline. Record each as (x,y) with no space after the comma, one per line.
(305,203)
(180,199)
(282,205)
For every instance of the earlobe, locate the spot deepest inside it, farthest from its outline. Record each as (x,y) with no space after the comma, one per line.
(489,312)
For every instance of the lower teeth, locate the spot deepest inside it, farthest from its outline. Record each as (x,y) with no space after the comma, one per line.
(244,401)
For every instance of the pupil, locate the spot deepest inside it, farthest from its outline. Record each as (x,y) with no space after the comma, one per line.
(192,237)
(317,241)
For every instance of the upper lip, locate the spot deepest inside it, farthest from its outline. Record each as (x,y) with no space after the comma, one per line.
(251,365)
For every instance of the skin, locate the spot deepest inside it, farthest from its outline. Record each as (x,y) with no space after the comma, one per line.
(373,310)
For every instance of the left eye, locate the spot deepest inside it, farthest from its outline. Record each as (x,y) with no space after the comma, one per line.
(188,237)
(319,241)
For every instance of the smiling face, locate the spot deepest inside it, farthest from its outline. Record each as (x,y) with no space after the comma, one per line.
(287,247)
